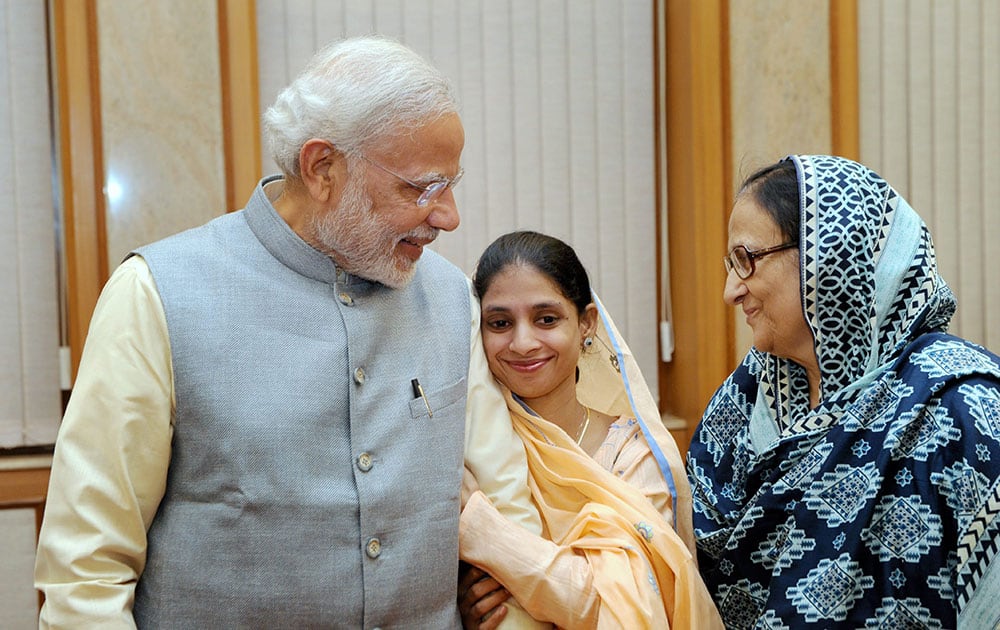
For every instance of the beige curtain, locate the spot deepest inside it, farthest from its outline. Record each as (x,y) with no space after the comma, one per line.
(18,598)
(557,101)
(29,321)
(930,124)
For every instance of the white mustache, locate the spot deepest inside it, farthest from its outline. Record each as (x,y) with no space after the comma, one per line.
(428,234)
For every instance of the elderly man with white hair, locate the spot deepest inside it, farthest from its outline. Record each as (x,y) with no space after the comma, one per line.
(267,427)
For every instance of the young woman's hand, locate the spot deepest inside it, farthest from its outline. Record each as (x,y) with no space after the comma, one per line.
(480,599)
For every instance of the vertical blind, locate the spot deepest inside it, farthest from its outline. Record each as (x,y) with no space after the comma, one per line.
(557,103)
(29,327)
(929,85)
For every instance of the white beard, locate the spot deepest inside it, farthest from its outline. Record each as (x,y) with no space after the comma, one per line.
(362,244)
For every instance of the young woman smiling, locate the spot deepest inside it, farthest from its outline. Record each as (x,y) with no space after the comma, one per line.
(616,548)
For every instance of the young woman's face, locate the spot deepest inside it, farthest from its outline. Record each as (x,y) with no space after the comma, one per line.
(532,333)
(770,298)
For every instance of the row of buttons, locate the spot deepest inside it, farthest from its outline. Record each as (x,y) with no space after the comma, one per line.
(373,548)
(359,373)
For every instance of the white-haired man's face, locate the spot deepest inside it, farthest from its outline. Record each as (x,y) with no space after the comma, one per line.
(377,231)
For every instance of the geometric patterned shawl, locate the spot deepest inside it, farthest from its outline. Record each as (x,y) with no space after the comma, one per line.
(880,507)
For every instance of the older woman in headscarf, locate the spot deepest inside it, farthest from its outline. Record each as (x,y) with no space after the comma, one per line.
(846,474)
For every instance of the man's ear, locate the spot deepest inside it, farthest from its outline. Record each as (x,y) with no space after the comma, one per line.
(323,169)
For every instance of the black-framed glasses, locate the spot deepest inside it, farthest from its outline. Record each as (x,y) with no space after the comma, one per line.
(741,260)
(429,193)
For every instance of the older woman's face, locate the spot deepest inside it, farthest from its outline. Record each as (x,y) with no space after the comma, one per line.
(770,298)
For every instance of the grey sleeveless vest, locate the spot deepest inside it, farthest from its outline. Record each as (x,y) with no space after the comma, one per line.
(308,485)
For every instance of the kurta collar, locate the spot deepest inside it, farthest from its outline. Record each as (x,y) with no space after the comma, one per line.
(288,247)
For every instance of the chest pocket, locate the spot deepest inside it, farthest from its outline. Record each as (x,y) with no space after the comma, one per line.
(439,400)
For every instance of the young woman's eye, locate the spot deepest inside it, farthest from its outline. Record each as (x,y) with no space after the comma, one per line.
(548,320)
(497,324)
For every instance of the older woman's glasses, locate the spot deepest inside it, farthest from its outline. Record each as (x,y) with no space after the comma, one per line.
(741,260)
(430,193)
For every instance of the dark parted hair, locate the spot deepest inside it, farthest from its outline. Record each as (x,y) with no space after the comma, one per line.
(775,189)
(549,255)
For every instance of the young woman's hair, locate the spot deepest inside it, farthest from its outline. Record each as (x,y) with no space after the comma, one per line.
(775,189)
(549,255)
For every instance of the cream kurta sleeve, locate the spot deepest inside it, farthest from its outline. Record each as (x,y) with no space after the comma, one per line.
(550,580)
(110,464)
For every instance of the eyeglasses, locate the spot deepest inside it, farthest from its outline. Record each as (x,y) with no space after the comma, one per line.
(431,192)
(741,260)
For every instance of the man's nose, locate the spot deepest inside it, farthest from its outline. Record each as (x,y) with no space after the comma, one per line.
(444,213)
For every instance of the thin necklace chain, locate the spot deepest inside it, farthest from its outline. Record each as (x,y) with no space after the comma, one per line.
(586,423)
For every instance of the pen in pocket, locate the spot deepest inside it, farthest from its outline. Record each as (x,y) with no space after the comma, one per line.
(419,391)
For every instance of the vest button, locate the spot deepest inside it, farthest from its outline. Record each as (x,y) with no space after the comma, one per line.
(364,462)
(346,299)
(373,548)
(359,376)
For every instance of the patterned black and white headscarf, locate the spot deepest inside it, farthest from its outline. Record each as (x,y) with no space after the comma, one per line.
(869,281)
(869,277)
(880,507)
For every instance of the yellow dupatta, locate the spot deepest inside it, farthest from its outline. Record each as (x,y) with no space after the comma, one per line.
(643,570)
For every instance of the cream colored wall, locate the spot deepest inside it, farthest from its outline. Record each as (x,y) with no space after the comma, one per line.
(163,154)
(779,56)
(161,119)
(18,599)
(929,120)
(29,320)
(929,91)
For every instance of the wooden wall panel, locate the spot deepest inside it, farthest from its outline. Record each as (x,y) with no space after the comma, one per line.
(698,199)
(240,104)
(74,27)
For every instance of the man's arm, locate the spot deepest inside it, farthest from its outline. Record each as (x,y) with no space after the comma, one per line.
(110,463)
